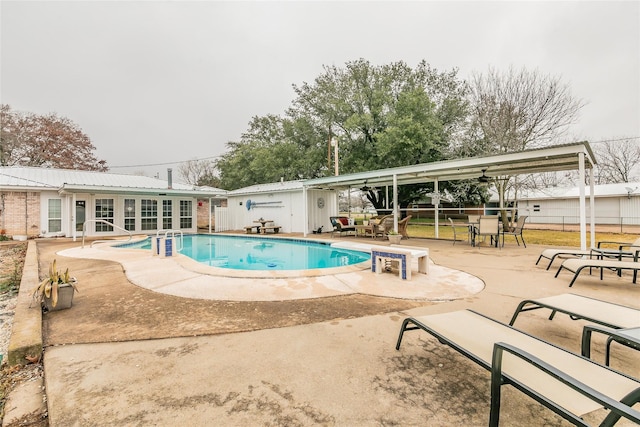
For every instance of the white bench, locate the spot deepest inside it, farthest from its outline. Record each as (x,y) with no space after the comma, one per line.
(404,255)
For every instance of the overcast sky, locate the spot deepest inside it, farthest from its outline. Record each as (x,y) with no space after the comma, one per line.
(157,82)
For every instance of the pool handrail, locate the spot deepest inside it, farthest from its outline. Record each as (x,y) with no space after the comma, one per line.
(84,231)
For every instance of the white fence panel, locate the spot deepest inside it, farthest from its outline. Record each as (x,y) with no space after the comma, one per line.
(222,219)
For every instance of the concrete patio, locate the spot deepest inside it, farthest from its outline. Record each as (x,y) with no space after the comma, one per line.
(125,355)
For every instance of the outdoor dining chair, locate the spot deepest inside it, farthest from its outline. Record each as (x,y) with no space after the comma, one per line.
(489,225)
(517,231)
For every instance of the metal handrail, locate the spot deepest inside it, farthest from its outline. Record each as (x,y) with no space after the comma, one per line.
(84,231)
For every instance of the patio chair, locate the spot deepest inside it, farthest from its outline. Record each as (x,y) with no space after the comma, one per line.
(489,225)
(341,225)
(566,383)
(383,227)
(455,226)
(517,231)
(402,226)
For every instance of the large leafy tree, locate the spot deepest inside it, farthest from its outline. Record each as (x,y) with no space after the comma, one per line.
(273,148)
(387,116)
(28,139)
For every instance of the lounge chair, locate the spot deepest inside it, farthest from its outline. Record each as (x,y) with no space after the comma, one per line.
(568,384)
(454,227)
(341,225)
(517,231)
(580,307)
(577,265)
(624,250)
(552,254)
(629,337)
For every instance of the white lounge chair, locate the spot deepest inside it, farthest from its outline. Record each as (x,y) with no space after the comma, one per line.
(552,254)
(577,265)
(579,307)
(568,384)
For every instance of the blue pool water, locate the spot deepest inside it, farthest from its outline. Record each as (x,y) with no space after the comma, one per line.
(247,253)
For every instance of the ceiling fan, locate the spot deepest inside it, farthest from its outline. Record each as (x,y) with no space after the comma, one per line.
(365,187)
(483,178)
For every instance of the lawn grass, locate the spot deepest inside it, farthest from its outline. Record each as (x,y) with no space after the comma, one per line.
(532,236)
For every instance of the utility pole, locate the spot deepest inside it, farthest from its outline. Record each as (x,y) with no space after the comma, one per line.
(334,142)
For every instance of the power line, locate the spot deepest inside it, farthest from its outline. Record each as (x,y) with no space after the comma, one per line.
(614,140)
(161,164)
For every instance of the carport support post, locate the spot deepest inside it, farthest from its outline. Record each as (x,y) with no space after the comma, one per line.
(436,206)
(592,208)
(583,210)
(396,211)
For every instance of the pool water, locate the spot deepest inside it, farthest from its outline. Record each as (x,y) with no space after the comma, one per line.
(251,253)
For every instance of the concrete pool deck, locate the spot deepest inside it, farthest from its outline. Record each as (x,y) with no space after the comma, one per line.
(124,355)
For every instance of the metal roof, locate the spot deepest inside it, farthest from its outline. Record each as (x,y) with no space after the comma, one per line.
(268,188)
(549,159)
(75,181)
(625,189)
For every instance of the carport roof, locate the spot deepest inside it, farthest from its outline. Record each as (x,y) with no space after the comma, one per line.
(549,159)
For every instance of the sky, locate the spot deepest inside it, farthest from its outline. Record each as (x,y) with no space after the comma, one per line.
(154,83)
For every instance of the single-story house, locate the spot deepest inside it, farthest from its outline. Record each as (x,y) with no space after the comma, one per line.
(51,202)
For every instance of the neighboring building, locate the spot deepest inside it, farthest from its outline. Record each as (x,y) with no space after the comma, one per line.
(56,202)
(281,202)
(614,204)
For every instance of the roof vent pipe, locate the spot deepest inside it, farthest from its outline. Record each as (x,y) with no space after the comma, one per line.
(169,179)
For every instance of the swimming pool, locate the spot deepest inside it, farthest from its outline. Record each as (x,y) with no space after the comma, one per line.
(261,253)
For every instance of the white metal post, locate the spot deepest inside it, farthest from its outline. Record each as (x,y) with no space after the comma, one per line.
(583,207)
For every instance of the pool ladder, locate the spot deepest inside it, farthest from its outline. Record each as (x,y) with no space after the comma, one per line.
(173,234)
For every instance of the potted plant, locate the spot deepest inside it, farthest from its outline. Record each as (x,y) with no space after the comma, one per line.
(56,291)
(394,237)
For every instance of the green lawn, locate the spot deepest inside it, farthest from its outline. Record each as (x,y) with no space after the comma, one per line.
(533,236)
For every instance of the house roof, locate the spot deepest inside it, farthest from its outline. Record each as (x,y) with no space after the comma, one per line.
(272,187)
(602,190)
(76,181)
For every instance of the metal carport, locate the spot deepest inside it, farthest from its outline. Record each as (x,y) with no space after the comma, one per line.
(574,156)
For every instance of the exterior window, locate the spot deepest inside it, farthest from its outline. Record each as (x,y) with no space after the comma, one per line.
(536,208)
(129,214)
(55,215)
(149,214)
(186,213)
(167,212)
(104,210)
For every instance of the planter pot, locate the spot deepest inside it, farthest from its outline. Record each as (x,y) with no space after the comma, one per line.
(65,298)
(394,239)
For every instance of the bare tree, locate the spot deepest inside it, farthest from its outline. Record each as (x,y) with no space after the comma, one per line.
(27,139)
(520,109)
(618,161)
(513,111)
(199,172)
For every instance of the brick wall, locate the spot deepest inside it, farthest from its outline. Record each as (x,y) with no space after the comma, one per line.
(20,213)
(203,213)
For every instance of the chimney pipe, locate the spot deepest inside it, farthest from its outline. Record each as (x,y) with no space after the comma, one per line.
(169,179)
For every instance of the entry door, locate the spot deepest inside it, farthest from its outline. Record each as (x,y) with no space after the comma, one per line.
(81,206)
